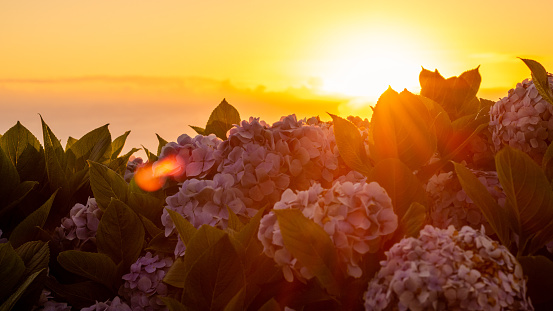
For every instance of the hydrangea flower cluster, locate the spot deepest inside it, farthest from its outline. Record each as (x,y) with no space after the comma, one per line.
(452,206)
(110,305)
(358,217)
(195,155)
(81,225)
(132,166)
(447,269)
(523,120)
(45,303)
(2,240)
(144,283)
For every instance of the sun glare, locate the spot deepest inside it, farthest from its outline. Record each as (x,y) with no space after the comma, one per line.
(366,66)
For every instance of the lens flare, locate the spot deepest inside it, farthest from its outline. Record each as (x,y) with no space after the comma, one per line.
(151,177)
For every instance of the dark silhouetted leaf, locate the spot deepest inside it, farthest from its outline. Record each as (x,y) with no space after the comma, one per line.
(94,266)
(215,277)
(70,142)
(25,152)
(119,165)
(35,255)
(120,233)
(106,184)
(547,164)
(412,221)
(539,271)
(12,300)
(176,274)
(529,194)
(94,146)
(402,128)
(489,207)
(80,295)
(271,305)
(223,117)
(118,144)
(55,159)
(173,304)
(311,245)
(10,178)
(198,129)
(237,302)
(350,145)
(26,230)
(401,185)
(162,143)
(151,157)
(12,270)
(539,77)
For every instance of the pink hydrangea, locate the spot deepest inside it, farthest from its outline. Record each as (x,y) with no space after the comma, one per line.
(450,205)
(81,225)
(2,240)
(45,303)
(132,166)
(196,156)
(110,305)
(358,217)
(523,120)
(144,283)
(448,269)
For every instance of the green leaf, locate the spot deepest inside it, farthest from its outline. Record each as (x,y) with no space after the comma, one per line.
(185,229)
(94,266)
(119,165)
(80,295)
(106,184)
(162,143)
(215,277)
(311,245)
(457,95)
(70,142)
(529,195)
(151,157)
(120,233)
(201,241)
(489,207)
(223,117)
(173,304)
(24,150)
(176,274)
(270,305)
(539,271)
(401,185)
(35,255)
(198,129)
(351,145)
(118,144)
(92,146)
(237,302)
(148,204)
(150,227)
(26,230)
(547,164)
(10,178)
(55,159)
(12,300)
(160,243)
(234,222)
(402,128)
(12,270)
(412,221)
(539,77)
(20,192)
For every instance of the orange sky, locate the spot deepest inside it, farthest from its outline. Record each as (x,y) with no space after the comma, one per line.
(155,67)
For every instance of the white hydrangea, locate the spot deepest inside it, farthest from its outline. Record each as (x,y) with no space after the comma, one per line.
(144,283)
(358,217)
(448,269)
(452,206)
(523,120)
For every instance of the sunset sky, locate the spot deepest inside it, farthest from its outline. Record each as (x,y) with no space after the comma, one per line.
(158,66)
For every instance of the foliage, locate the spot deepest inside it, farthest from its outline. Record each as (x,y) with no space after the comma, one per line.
(254,177)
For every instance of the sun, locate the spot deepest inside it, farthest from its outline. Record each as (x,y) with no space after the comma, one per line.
(364,66)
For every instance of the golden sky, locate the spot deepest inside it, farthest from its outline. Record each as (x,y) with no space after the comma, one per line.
(157,66)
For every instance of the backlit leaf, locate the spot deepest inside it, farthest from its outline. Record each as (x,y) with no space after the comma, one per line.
(55,159)
(117,145)
(25,152)
(311,245)
(402,128)
(215,277)
(237,302)
(489,207)
(173,304)
(539,77)
(161,143)
(92,146)
(198,129)
(26,230)
(401,185)
(94,266)
(350,145)
(106,184)
(529,195)
(412,221)
(10,178)
(120,233)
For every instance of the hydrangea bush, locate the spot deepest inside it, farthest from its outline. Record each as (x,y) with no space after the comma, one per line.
(437,201)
